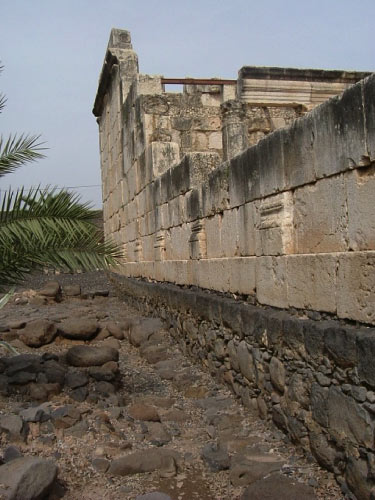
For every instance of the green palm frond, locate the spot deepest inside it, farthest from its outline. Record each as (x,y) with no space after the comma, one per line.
(18,150)
(46,227)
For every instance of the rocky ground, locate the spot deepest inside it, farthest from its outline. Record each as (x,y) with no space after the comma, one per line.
(99,403)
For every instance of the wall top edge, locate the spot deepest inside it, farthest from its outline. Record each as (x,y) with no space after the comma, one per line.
(299,74)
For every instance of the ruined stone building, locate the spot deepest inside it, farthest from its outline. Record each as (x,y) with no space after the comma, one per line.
(261,188)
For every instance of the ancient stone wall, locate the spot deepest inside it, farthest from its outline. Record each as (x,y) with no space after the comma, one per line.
(286,225)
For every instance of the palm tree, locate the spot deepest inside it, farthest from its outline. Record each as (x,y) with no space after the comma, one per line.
(45,227)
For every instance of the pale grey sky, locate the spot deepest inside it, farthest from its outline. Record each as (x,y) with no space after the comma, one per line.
(53,52)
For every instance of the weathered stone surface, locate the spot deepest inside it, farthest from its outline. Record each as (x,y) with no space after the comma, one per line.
(27,478)
(340,342)
(65,416)
(12,426)
(115,330)
(325,454)
(140,411)
(11,453)
(357,478)
(142,332)
(79,329)
(248,470)
(107,372)
(82,355)
(40,413)
(30,363)
(280,487)
(72,290)
(50,289)
(348,421)
(277,373)
(319,404)
(366,353)
(76,379)
(157,434)
(216,458)
(245,361)
(145,461)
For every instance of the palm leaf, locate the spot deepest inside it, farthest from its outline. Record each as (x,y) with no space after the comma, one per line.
(18,150)
(46,227)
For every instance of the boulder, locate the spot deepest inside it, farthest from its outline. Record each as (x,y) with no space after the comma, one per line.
(65,416)
(12,426)
(145,461)
(72,290)
(215,457)
(140,411)
(142,332)
(76,379)
(79,328)
(85,356)
(27,478)
(50,289)
(115,330)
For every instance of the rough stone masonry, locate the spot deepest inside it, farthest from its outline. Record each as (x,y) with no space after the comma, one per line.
(246,213)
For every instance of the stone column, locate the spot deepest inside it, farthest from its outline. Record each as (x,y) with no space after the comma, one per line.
(234,128)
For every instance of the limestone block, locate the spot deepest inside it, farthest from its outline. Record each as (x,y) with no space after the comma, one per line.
(153,219)
(132,210)
(147,84)
(165,187)
(159,270)
(356,286)
(271,281)
(193,205)
(132,231)
(182,272)
(215,140)
(369,110)
(197,240)
(237,181)
(320,216)
(162,156)
(201,273)
(215,194)
(339,133)
(164,216)
(229,233)
(271,163)
(141,203)
(180,242)
(274,225)
(312,282)
(213,236)
(131,182)
(242,275)
(219,274)
(181,177)
(360,188)
(148,247)
(174,212)
(200,141)
(210,100)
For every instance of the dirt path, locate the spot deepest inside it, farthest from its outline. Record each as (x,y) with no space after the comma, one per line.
(144,419)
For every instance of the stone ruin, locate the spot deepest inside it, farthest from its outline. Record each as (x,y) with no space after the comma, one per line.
(246,212)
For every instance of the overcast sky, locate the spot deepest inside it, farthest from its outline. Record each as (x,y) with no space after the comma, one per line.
(53,51)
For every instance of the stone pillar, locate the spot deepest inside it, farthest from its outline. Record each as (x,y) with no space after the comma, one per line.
(234,128)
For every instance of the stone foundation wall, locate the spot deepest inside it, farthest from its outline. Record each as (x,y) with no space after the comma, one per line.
(313,377)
